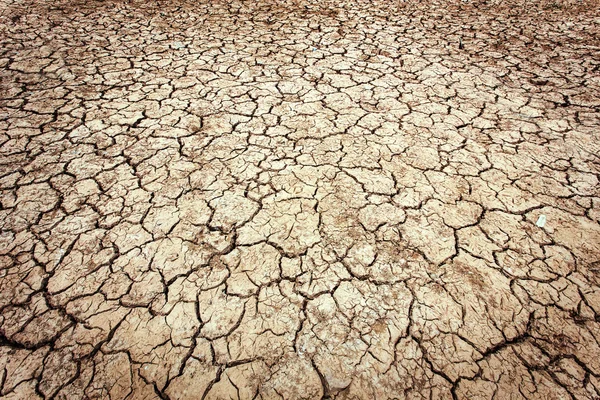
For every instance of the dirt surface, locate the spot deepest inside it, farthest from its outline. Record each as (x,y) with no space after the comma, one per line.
(309,199)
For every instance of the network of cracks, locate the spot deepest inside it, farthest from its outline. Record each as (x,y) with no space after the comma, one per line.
(299,199)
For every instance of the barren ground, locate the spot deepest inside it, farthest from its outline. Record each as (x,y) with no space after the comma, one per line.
(310,199)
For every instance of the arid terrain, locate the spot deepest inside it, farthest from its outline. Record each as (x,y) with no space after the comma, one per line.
(309,199)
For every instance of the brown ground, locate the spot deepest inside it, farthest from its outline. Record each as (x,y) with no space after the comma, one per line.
(302,199)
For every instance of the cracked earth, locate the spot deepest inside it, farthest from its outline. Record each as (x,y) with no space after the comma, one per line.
(299,200)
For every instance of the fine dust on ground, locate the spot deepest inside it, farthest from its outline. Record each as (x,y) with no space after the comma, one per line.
(299,199)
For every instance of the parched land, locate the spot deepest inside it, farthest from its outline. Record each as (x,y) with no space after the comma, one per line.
(299,199)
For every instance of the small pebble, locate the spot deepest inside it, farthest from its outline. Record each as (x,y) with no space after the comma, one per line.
(541,221)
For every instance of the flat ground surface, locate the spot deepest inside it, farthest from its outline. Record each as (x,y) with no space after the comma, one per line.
(324,199)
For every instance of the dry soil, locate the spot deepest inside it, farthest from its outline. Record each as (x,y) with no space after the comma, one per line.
(299,199)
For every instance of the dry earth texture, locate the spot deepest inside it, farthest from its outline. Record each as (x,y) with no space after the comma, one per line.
(299,199)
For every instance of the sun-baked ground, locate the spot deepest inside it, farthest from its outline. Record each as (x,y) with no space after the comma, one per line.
(299,199)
